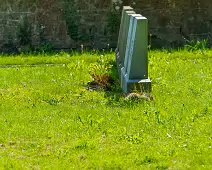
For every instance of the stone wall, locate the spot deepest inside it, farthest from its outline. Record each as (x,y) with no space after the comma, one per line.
(95,23)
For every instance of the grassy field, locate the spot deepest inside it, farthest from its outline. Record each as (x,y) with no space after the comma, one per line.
(49,120)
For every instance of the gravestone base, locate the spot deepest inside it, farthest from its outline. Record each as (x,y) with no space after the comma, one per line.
(134,85)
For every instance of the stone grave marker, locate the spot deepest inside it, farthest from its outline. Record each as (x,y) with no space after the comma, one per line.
(132,53)
(130,24)
(125,8)
(125,31)
(123,37)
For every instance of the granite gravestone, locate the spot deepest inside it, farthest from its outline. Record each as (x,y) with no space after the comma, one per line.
(132,52)
(123,36)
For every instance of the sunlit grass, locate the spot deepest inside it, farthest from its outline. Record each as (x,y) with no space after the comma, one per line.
(49,120)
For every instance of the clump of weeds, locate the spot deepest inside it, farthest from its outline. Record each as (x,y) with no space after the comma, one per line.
(102,74)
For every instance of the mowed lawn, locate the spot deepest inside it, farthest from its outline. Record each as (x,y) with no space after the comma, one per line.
(49,120)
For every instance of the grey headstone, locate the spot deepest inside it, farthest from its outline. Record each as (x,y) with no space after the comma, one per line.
(138,58)
(135,71)
(132,52)
(125,8)
(122,37)
(124,34)
(128,46)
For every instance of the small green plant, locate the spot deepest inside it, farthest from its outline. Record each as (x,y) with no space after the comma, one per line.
(150,42)
(101,72)
(46,48)
(24,34)
(72,19)
(197,45)
(102,67)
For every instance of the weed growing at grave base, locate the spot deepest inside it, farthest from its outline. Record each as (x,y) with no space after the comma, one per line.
(49,120)
(103,73)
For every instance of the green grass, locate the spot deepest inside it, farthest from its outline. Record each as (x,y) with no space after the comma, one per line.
(48,120)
